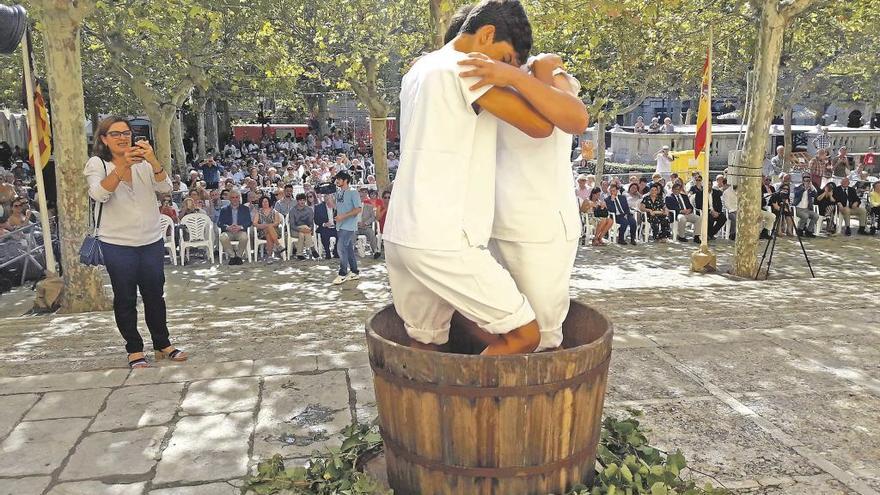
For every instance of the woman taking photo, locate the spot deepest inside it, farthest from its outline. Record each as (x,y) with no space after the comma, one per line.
(595,206)
(123,179)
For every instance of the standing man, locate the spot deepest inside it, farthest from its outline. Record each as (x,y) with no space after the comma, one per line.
(664,162)
(367,221)
(823,141)
(777,163)
(348,207)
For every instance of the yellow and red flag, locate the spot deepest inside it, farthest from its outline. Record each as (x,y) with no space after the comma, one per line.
(44,131)
(704,115)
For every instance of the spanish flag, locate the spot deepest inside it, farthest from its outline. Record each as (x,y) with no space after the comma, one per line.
(704,115)
(45,132)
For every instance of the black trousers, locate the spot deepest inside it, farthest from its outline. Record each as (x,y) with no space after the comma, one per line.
(715,224)
(326,233)
(625,222)
(132,269)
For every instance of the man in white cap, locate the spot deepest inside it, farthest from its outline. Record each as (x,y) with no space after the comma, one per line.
(664,162)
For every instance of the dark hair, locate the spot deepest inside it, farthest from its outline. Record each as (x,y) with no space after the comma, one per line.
(456,21)
(260,201)
(510,21)
(614,185)
(301,197)
(288,186)
(100,149)
(344,176)
(594,191)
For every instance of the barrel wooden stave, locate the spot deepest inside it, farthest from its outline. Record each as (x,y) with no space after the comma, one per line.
(530,430)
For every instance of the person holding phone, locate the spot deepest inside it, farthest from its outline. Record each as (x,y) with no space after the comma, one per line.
(124,176)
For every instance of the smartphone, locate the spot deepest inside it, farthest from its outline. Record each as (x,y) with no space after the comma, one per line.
(138,139)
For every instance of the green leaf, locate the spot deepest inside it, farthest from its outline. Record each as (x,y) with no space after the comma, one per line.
(659,488)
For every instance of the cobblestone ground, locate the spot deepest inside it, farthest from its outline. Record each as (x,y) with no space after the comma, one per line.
(770,387)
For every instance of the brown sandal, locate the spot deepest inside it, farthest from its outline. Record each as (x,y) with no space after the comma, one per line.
(173,355)
(140,362)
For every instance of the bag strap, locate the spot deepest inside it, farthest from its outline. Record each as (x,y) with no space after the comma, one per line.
(101,205)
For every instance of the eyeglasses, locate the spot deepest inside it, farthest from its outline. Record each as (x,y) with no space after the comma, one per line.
(119,134)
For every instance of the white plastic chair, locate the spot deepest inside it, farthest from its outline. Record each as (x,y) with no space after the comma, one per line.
(201,235)
(167,225)
(256,243)
(285,238)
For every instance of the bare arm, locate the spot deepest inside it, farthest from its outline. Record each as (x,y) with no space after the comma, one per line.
(512,108)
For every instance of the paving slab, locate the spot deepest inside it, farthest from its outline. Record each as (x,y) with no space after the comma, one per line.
(365,395)
(830,423)
(123,453)
(14,407)
(819,485)
(638,374)
(208,489)
(719,441)
(97,488)
(185,372)
(22,486)
(221,396)
(139,406)
(62,381)
(755,367)
(300,414)
(286,365)
(206,448)
(69,404)
(39,447)
(343,360)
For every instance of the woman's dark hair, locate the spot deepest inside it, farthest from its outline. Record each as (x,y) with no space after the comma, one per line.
(595,191)
(260,202)
(510,21)
(631,186)
(456,22)
(100,149)
(301,197)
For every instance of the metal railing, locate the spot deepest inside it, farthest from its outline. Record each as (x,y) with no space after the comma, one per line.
(26,246)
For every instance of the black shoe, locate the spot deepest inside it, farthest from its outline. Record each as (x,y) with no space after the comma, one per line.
(683,239)
(873,230)
(764,234)
(849,231)
(377,255)
(809,234)
(696,239)
(862,231)
(236,260)
(622,242)
(732,237)
(301,257)
(711,237)
(632,241)
(315,254)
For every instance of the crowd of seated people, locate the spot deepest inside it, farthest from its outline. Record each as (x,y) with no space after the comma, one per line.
(243,194)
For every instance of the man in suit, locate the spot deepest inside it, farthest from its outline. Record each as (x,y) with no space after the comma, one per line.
(716,217)
(234,222)
(848,202)
(618,206)
(804,199)
(324,214)
(682,210)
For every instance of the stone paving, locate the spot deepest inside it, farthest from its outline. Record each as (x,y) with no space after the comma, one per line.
(768,387)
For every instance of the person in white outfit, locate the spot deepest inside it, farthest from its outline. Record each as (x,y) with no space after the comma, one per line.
(664,162)
(537,224)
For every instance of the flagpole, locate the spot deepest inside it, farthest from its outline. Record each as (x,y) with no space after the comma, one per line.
(35,152)
(704,259)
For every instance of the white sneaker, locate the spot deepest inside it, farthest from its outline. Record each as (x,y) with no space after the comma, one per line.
(339,280)
(352,276)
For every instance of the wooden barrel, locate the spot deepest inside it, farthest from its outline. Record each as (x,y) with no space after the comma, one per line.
(508,425)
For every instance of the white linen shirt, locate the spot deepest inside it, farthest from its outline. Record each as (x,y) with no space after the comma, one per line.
(130,213)
(533,194)
(444,196)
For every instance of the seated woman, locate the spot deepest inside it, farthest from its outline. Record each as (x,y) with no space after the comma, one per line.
(267,221)
(19,216)
(826,204)
(654,206)
(595,206)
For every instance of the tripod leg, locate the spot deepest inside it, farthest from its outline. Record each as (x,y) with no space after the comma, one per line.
(767,248)
(810,266)
(772,250)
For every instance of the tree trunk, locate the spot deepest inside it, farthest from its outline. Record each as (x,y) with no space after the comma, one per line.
(213,141)
(162,121)
(600,147)
(224,122)
(441,12)
(770,35)
(787,115)
(199,108)
(379,128)
(676,111)
(323,115)
(83,285)
(691,112)
(178,149)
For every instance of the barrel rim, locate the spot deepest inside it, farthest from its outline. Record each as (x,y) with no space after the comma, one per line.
(604,339)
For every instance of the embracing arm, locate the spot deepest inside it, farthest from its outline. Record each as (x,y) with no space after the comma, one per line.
(553,95)
(512,108)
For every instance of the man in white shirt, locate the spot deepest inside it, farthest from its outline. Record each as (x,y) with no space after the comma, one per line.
(729,200)
(664,162)
(438,225)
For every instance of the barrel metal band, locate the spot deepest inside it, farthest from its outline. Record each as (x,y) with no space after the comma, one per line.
(578,458)
(472,391)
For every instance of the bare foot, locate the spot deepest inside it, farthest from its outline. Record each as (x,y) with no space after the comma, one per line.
(523,340)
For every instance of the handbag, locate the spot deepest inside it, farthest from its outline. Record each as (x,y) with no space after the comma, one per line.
(90,252)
